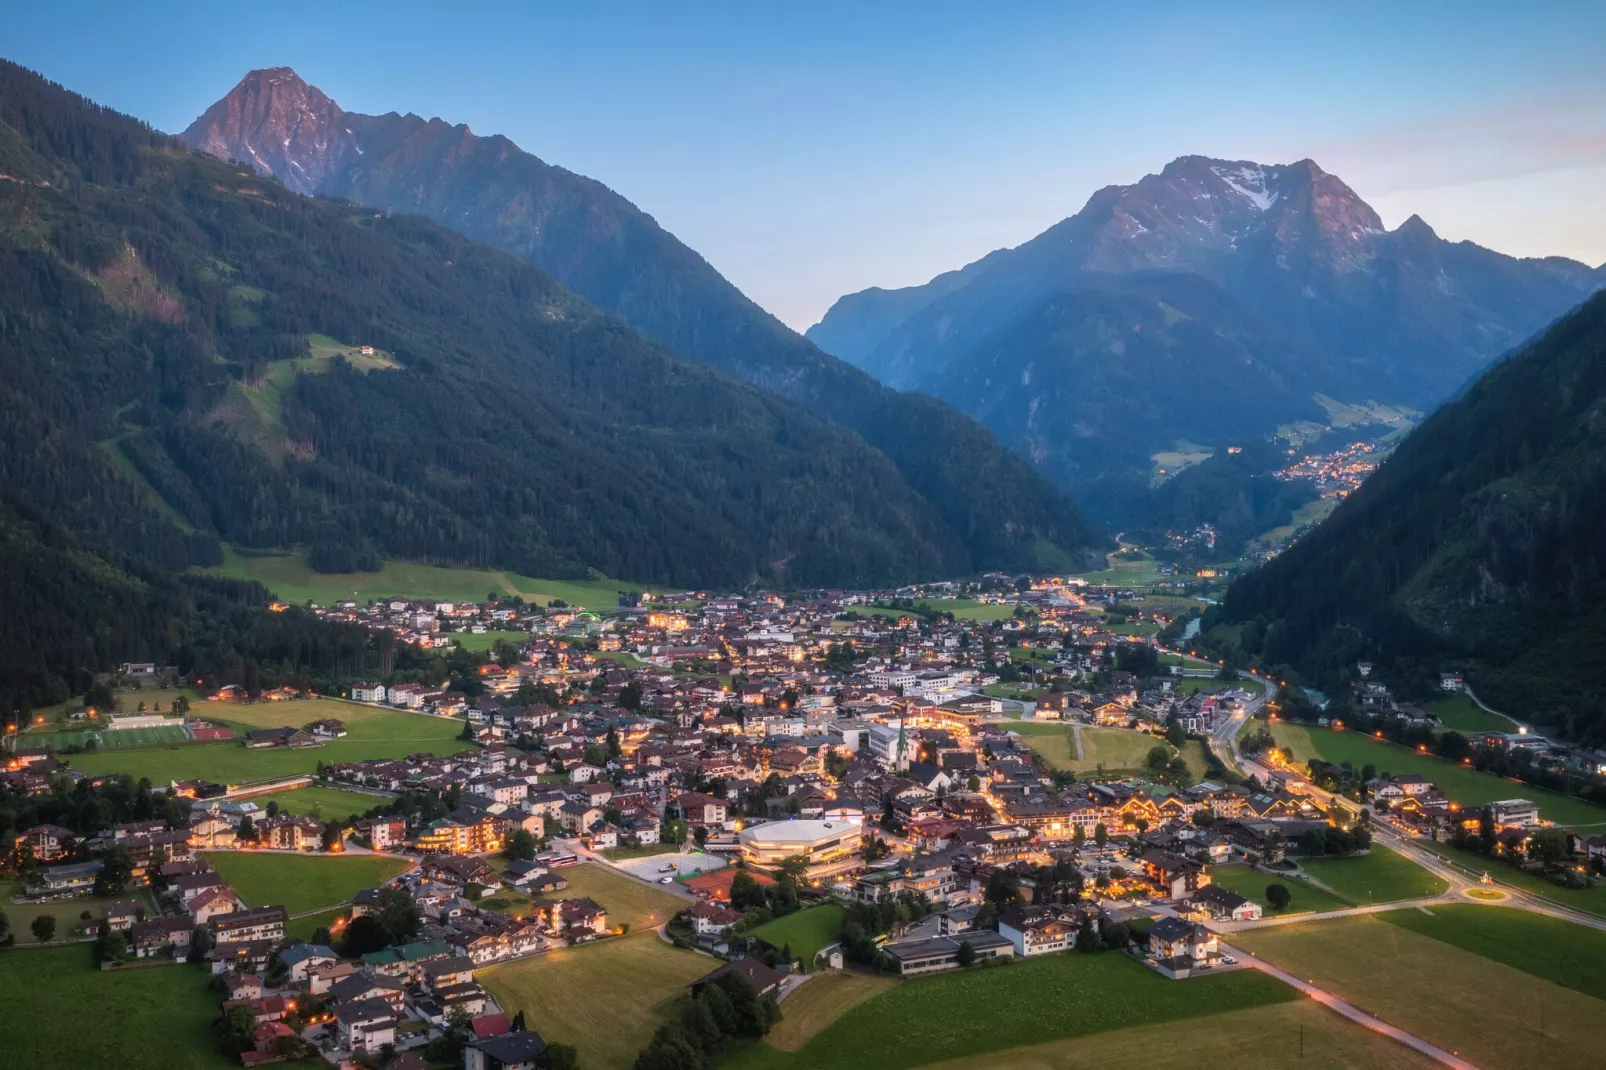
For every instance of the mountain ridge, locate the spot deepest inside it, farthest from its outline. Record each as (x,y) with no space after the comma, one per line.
(1344,307)
(607,250)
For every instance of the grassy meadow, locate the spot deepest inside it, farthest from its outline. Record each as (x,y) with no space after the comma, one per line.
(1463,784)
(62,1012)
(372,732)
(805,931)
(300,883)
(291,579)
(969,1013)
(1486,1010)
(606,999)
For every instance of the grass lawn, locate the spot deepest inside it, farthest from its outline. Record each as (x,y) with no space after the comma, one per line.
(289,577)
(303,928)
(1261,1038)
(1103,749)
(1485,1010)
(619,854)
(372,732)
(1592,899)
(627,900)
(486,640)
(970,609)
(1558,951)
(1465,785)
(1380,876)
(821,1001)
(326,804)
(301,882)
(65,911)
(805,931)
(1304,897)
(607,998)
(964,1014)
(61,1012)
(1197,755)
(1463,715)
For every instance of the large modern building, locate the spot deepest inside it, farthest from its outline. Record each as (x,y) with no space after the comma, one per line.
(831,847)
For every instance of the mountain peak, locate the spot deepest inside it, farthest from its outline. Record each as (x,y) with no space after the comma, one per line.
(280,125)
(1416,226)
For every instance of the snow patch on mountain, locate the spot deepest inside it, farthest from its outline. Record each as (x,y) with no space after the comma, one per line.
(1248,182)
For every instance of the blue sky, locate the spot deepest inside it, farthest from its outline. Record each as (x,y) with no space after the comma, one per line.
(809,150)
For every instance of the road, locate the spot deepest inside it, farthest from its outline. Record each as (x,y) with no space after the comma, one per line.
(1224,737)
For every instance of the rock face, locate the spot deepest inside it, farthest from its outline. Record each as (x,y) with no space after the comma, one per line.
(281,126)
(1211,301)
(610,252)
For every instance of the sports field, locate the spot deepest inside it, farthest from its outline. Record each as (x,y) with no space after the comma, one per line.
(107,739)
(291,579)
(1379,876)
(1303,897)
(1463,784)
(607,998)
(805,932)
(1487,1011)
(59,1011)
(486,640)
(1569,955)
(301,882)
(973,1012)
(1273,1037)
(372,732)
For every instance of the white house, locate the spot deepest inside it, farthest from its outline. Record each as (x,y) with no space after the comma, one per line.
(368,691)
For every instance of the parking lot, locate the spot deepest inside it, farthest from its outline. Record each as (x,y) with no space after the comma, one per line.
(685,864)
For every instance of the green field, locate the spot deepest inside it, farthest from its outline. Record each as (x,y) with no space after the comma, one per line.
(1273,1037)
(1304,897)
(825,998)
(1379,876)
(968,1013)
(326,804)
(1465,785)
(61,1012)
(301,882)
(66,911)
(303,928)
(372,732)
(289,577)
(607,998)
(1569,955)
(805,932)
(1103,749)
(1461,714)
(1591,899)
(1488,1012)
(486,640)
(621,854)
(627,900)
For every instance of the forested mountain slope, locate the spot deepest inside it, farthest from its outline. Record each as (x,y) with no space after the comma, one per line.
(1480,542)
(190,355)
(608,251)
(160,307)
